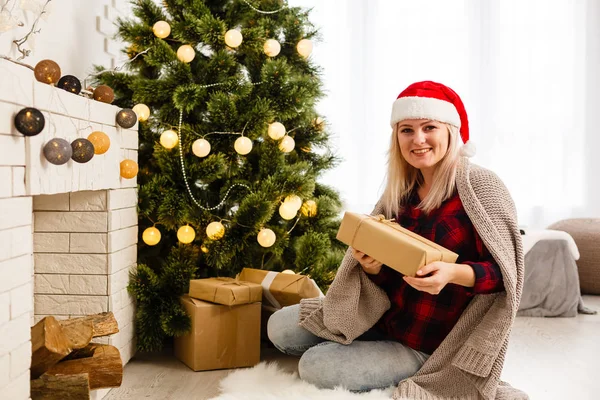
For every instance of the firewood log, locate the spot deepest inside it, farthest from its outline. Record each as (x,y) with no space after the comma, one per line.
(61,387)
(103,323)
(49,345)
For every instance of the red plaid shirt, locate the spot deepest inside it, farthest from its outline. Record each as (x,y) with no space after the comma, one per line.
(421,320)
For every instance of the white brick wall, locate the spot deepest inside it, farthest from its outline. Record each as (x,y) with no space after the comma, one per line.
(79,229)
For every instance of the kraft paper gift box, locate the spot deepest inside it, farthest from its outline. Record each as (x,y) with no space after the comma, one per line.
(227,291)
(281,290)
(391,244)
(222,337)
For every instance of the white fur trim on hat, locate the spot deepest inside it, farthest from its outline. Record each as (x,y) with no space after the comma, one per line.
(468,149)
(424,108)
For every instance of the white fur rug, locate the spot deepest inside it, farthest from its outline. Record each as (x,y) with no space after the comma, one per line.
(267,381)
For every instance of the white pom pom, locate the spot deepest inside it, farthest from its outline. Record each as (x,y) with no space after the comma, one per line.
(468,149)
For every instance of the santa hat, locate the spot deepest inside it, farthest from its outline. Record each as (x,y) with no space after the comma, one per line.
(431,100)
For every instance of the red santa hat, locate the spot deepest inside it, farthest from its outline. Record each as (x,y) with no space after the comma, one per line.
(431,100)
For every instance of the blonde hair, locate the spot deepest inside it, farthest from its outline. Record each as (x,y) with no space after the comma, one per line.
(402,178)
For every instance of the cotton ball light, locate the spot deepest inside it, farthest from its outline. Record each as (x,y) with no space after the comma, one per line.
(276,130)
(272,47)
(186,53)
(128,169)
(201,147)
(288,271)
(266,237)
(287,144)
(304,47)
(142,111)
(161,29)
(100,140)
(243,145)
(294,201)
(151,236)
(233,38)
(215,230)
(169,139)
(287,211)
(186,234)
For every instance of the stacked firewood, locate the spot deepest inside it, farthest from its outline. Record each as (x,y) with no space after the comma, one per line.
(66,365)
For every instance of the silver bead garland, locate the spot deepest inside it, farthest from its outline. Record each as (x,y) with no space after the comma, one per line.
(260,11)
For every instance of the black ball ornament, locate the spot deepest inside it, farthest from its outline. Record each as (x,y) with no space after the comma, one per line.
(58,151)
(30,121)
(126,118)
(83,150)
(70,83)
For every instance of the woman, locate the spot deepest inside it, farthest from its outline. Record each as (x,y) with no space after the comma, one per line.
(441,334)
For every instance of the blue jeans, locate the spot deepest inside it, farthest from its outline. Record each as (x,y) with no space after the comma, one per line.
(367,363)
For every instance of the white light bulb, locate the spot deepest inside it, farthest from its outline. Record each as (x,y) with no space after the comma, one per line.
(233,38)
(186,53)
(272,47)
(266,237)
(201,148)
(243,145)
(294,201)
(169,139)
(287,144)
(142,111)
(287,211)
(161,29)
(276,130)
(304,47)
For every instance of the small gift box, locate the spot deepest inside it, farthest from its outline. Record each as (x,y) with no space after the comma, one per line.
(227,291)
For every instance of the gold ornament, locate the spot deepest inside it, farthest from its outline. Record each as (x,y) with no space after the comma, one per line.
(266,237)
(142,111)
(287,144)
(201,148)
(287,211)
(272,47)
(186,234)
(169,139)
(288,271)
(304,47)
(186,53)
(294,200)
(319,122)
(161,29)
(204,249)
(243,145)
(104,94)
(100,140)
(151,236)
(309,208)
(47,71)
(129,169)
(233,38)
(305,149)
(215,230)
(276,130)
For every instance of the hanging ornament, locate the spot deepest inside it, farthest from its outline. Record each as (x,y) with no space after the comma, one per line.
(186,234)
(272,47)
(204,249)
(233,38)
(100,140)
(305,149)
(30,121)
(201,148)
(104,94)
(58,151)
(169,139)
(83,150)
(151,236)
(266,237)
(294,201)
(126,118)
(287,211)
(318,122)
(287,144)
(243,145)
(304,47)
(215,230)
(128,168)
(70,83)
(309,208)
(186,53)
(161,29)
(47,71)
(288,271)
(276,130)
(142,111)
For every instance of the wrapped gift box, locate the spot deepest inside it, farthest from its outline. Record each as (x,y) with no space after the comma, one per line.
(222,336)
(279,289)
(391,244)
(227,291)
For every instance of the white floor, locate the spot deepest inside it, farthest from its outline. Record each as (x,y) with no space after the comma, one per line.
(549,358)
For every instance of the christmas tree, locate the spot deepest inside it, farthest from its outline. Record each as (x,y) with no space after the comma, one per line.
(230,149)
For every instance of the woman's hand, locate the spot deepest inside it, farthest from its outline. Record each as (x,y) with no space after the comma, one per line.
(441,272)
(369,264)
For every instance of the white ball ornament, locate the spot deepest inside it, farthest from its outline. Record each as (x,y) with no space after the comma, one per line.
(186,234)
(287,211)
(287,144)
(304,47)
(142,111)
(201,148)
(294,201)
(243,145)
(276,130)
(161,29)
(169,139)
(186,53)
(215,230)
(288,271)
(266,237)
(272,47)
(233,38)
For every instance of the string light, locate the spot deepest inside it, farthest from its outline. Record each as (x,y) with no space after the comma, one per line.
(260,11)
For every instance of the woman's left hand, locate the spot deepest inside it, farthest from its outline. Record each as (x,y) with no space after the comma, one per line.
(441,272)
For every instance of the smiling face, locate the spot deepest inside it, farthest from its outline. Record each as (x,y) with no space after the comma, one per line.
(423,143)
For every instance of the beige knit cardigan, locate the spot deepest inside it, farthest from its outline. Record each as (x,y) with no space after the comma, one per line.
(468,363)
